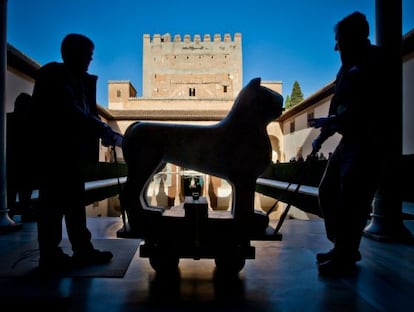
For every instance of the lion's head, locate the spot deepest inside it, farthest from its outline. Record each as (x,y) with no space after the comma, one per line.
(256,103)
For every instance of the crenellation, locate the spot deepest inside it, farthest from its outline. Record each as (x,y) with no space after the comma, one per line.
(189,67)
(166,38)
(237,37)
(157,38)
(197,39)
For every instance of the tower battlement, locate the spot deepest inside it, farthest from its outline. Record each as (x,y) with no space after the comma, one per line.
(158,38)
(188,67)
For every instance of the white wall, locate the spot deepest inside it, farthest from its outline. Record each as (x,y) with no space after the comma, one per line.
(15,84)
(303,136)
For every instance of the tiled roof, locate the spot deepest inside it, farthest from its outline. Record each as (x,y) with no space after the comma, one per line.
(183,115)
(21,62)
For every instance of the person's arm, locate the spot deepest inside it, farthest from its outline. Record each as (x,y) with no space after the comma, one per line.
(328,128)
(53,95)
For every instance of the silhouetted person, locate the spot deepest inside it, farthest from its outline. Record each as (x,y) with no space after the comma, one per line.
(358,111)
(68,130)
(19,186)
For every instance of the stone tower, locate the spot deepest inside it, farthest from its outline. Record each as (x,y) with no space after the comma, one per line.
(192,69)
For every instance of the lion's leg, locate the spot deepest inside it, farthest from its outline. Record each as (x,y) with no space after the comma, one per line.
(140,218)
(243,199)
(243,208)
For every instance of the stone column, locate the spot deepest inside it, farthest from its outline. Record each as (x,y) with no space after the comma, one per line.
(387,222)
(6,224)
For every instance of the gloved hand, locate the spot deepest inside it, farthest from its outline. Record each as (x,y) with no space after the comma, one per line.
(111,138)
(319,122)
(316,146)
(118,139)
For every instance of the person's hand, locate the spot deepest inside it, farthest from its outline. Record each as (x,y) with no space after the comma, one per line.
(118,139)
(316,146)
(112,138)
(318,122)
(106,141)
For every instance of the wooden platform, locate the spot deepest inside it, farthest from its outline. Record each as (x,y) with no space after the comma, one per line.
(283,277)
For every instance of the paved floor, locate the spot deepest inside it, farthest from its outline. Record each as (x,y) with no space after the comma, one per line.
(283,277)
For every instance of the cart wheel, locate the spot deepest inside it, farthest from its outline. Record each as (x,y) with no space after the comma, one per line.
(229,265)
(164,263)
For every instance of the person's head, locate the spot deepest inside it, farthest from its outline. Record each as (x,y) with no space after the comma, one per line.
(351,33)
(22,103)
(77,51)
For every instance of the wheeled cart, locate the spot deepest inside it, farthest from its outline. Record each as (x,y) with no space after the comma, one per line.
(193,231)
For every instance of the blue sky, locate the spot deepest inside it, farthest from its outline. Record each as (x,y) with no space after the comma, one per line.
(282,40)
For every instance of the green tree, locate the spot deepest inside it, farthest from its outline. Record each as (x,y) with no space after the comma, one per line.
(296,95)
(288,103)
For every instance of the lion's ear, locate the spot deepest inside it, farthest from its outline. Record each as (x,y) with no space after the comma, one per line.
(255,82)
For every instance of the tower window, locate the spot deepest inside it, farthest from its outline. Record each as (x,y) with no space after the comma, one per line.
(310,116)
(292,126)
(191,92)
(225,89)
(118,93)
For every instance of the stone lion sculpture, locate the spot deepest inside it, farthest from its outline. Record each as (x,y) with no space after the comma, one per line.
(237,149)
